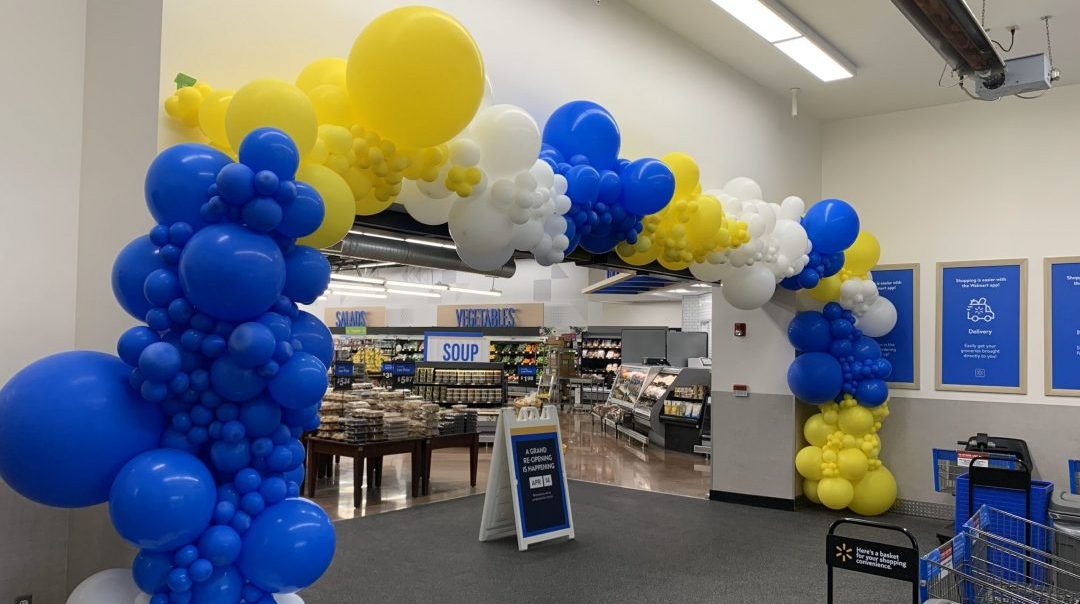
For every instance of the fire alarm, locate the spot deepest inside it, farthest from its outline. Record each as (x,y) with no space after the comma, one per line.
(740,330)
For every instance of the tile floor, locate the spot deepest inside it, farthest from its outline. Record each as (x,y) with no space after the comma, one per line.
(590,455)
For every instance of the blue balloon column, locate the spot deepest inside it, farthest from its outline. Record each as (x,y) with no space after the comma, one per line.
(609,195)
(835,359)
(192,433)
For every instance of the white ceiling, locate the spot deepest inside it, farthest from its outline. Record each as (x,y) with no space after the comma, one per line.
(897,68)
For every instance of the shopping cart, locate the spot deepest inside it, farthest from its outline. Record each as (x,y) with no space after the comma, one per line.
(1001,558)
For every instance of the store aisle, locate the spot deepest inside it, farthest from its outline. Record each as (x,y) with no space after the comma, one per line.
(590,456)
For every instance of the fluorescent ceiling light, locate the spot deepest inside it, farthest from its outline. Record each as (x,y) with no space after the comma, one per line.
(701,285)
(479,292)
(814,60)
(359,295)
(351,287)
(406,292)
(336,277)
(678,291)
(417,285)
(759,18)
(430,243)
(376,235)
(376,264)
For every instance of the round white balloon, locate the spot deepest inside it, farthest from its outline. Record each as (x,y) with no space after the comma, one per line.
(479,225)
(709,272)
(792,208)
(424,208)
(288,599)
(749,288)
(879,319)
(527,235)
(484,260)
(743,188)
(113,586)
(508,137)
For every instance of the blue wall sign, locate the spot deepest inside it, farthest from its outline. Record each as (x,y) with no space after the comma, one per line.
(982,334)
(899,284)
(527,370)
(542,500)
(449,347)
(486,317)
(1063,326)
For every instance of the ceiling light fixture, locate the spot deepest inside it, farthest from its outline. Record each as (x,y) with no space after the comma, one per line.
(406,292)
(359,295)
(430,243)
(678,291)
(701,285)
(479,292)
(780,27)
(351,287)
(336,277)
(376,264)
(440,288)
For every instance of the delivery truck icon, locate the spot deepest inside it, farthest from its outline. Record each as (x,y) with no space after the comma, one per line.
(979,310)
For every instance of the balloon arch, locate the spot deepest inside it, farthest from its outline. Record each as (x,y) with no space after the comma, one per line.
(191,432)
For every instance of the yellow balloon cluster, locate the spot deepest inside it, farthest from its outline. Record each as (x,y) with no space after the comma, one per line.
(841,467)
(413,80)
(690,227)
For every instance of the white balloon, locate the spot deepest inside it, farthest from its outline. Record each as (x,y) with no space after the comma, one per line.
(554,225)
(527,235)
(526,181)
(484,260)
(708,272)
(559,243)
(562,204)
(560,185)
(288,599)
(464,151)
(424,208)
(768,212)
(879,319)
(508,137)
(480,226)
(544,175)
(755,225)
(743,188)
(113,586)
(791,237)
(792,208)
(435,189)
(749,288)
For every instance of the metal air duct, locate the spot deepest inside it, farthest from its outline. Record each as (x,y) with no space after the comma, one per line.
(403,252)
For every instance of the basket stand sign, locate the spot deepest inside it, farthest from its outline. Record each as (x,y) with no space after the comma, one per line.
(871,557)
(527,493)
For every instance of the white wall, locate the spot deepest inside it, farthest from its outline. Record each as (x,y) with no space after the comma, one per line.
(41,57)
(969,181)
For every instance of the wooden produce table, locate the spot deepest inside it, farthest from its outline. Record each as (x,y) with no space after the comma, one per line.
(361,454)
(451,441)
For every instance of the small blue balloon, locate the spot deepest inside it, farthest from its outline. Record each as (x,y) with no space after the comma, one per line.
(307,274)
(610,187)
(176,486)
(841,328)
(584,128)
(302,215)
(230,272)
(233,382)
(288,546)
(599,244)
(162,287)
(262,214)
(583,185)
(150,570)
(883,369)
(278,323)
(841,348)
(867,349)
(815,377)
(300,382)
(236,184)
(224,586)
(315,336)
(809,278)
(648,185)
(832,225)
(251,344)
(832,263)
(177,182)
(130,269)
(270,149)
(833,311)
(159,362)
(133,341)
(872,393)
(809,332)
(230,457)
(260,416)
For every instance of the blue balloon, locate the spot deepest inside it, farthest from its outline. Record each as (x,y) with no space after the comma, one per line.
(867,349)
(303,215)
(648,185)
(230,457)
(162,287)
(232,273)
(150,570)
(584,128)
(809,278)
(262,214)
(833,311)
(225,586)
(177,182)
(832,225)
(220,545)
(841,328)
(307,274)
(162,499)
(133,341)
(841,348)
(809,332)
(132,265)
(583,185)
(791,283)
(872,393)
(832,263)
(160,362)
(882,369)
(252,344)
(314,336)
(301,381)
(815,377)
(236,184)
(233,382)
(288,546)
(610,187)
(599,243)
(260,416)
(270,149)
(99,423)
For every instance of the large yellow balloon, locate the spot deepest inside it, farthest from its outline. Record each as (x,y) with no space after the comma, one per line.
(835,493)
(809,488)
(272,103)
(852,464)
(415,76)
(875,493)
(863,255)
(816,430)
(856,420)
(827,290)
(808,462)
(321,72)
(212,117)
(337,201)
(686,172)
(704,227)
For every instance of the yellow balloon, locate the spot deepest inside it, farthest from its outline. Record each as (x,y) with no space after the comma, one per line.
(674,265)
(212,117)
(337,201)
(856,421)
(705,223)
(272,103)
(827,290)
(808,462)
(415,76)
(852,464)
(810,488)
(320,72)
(686,172)
(816,430)
(835,493)
(331,105)
(863,255)
(875,493)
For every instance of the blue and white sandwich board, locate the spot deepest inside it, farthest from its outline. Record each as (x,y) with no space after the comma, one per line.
(527,493)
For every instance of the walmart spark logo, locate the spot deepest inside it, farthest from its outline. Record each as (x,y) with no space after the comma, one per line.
(844,553)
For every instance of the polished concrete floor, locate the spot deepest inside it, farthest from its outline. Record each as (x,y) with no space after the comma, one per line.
(590,456)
